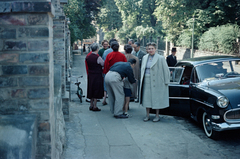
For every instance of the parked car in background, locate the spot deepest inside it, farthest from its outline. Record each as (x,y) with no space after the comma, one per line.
(208,90)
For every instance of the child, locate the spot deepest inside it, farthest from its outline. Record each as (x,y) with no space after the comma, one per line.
(128,87)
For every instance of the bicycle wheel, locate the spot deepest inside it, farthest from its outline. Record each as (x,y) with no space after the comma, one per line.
(80,94)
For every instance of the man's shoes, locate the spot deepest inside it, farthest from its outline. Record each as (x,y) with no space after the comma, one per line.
(96,109)
(146,118)
(128,115)
(156,119)
(121,116)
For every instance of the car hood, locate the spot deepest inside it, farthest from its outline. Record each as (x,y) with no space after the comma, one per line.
(229,88)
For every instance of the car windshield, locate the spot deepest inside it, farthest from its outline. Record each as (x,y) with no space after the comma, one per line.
(218,70)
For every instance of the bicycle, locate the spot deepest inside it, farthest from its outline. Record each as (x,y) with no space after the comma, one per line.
(79,90)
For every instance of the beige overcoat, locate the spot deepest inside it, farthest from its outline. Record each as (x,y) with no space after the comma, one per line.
(136,73)
(160,78)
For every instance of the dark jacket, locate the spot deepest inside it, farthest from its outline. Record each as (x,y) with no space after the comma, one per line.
(140,56)
(171,60)
(93,66)
(125,70)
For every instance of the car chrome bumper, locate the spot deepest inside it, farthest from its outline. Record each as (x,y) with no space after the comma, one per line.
(225,126)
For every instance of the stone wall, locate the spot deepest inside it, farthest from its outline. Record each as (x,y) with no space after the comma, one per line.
(184,53)
(59,42)
(58,138)
(23,132)
(28,51)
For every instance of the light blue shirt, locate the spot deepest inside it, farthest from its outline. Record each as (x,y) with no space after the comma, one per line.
(106,52)
(149,64)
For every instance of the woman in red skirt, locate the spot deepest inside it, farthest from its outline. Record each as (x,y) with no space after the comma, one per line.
(95,77)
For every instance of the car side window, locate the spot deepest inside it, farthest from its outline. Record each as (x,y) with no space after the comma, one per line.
(186,75)
(194,76)
(176,74)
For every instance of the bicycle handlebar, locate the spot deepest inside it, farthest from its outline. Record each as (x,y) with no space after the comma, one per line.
(77,83)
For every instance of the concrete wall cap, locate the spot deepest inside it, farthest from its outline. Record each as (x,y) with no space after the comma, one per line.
(27,7)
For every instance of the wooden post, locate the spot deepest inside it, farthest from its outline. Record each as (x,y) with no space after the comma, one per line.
(158,42)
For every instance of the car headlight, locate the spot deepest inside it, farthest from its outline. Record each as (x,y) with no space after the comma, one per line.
(222,102)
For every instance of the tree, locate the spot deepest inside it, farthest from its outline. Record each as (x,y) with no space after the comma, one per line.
(81,14)
(176,15)
(137,13)
(143,31)
(109,17)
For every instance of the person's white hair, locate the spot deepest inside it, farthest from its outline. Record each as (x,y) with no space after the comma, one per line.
(94,46)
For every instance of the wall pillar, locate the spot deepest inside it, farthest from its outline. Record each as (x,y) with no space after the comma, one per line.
(28,40)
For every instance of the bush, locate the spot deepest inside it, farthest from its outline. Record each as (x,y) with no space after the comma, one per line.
(220,39)
(185,40)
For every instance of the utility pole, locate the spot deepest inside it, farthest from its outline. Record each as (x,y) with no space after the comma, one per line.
(192,38)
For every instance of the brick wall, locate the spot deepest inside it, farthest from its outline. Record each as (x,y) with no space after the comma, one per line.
(28,42)
(26,78)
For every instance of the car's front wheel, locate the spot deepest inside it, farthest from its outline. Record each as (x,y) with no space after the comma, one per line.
(207,126)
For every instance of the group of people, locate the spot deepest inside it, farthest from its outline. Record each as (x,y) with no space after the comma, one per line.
(143,76)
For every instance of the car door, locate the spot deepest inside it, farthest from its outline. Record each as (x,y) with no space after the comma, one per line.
(178,94)
(199,94)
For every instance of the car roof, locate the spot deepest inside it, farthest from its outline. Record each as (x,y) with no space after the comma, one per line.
(205,59)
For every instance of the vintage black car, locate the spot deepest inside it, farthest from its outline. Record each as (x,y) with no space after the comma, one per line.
(208,90)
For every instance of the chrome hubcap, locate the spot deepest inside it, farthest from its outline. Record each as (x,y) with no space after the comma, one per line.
(208,125)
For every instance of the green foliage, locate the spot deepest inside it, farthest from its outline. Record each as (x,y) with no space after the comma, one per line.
(177,16)
(220,39)
(81,14)
(158,18)
(122,34)
(137,14)
(174,14)
(110,34)
(144,31)
(109,18)
(185,39)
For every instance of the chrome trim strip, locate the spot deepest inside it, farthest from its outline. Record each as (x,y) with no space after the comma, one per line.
(209,105)
(231,120)
(225,126)
(179,98)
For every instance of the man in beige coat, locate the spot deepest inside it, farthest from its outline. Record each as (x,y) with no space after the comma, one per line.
(136,70)
(155,77)
(138,53)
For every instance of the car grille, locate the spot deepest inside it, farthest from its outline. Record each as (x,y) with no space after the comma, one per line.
(233,115)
